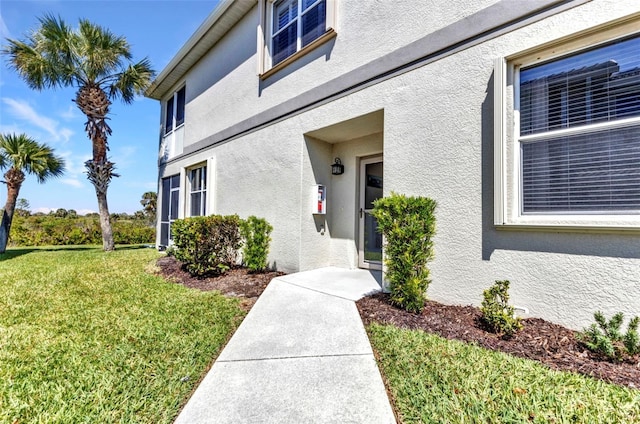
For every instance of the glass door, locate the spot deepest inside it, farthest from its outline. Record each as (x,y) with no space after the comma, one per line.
(370,241)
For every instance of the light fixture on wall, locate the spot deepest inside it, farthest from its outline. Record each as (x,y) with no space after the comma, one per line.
(337,168)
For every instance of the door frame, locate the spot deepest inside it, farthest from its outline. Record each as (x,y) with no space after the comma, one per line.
(362,263)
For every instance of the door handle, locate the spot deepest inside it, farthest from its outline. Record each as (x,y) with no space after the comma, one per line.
(361,212)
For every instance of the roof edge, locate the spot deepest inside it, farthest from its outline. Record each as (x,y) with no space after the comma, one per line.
(153,91)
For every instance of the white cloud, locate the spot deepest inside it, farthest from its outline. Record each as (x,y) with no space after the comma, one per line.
(10,129)
(73,182)
(124,156)
(4,31)
(85,211)
(70,114)
(43,210)
(20,109)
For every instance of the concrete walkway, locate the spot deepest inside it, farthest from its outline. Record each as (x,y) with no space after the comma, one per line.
(301,355)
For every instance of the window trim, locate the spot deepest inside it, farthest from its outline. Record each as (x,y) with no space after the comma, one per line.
(173,190)
(204,180)
(174,99)
(507,141)
(265,64)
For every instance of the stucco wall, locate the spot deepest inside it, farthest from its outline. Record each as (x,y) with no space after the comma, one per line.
(223,89)
(438,142)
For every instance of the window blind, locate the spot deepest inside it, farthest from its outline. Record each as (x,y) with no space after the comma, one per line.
(591,172)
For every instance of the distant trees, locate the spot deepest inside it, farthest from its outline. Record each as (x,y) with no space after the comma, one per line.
(22,207)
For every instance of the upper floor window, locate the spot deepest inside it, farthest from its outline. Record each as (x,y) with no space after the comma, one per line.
(290,29)
(174,111)
(295,24)
(198,191)
(579,131)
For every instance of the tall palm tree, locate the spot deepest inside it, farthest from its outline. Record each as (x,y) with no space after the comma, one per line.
(99,65)
(21,155)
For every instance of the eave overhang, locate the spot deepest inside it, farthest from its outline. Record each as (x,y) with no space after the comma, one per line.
(218,23)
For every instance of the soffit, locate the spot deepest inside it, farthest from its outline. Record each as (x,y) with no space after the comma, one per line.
(361,126)
(217,24)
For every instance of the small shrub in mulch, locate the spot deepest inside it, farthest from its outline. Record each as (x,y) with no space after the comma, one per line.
(551,344)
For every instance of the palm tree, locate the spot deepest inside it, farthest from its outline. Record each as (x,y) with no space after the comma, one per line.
(98,64)
(21,155)
(149,204)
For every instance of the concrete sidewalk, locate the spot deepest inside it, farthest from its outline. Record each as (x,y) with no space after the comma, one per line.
(301,355)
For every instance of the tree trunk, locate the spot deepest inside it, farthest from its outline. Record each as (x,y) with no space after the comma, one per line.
(13,189)
(105,224)
(100,175)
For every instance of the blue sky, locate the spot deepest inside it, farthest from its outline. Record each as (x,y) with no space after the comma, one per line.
(155,29)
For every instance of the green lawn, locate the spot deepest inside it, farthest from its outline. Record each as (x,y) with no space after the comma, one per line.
(434,380)
(89,336)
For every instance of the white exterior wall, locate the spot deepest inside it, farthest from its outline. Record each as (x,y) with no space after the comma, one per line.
(227,78)
(437,142)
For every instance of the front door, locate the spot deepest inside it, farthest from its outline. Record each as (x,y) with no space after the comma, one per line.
(370,241)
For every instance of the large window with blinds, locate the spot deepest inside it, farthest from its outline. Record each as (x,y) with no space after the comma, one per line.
(294,25)
(578,132)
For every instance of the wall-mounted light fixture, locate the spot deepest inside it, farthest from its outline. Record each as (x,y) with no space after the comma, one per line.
(337,168)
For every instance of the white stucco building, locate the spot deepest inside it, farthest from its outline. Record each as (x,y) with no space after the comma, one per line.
(521,118)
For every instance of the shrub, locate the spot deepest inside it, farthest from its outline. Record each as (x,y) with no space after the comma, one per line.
(496,312)
(207,244)
(75,230)
(255,232)
(408,225)
(605,337)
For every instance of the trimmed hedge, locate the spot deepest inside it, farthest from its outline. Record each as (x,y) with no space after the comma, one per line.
(408,225)
(207,244)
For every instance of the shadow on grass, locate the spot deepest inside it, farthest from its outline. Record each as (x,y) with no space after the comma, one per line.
(19,251)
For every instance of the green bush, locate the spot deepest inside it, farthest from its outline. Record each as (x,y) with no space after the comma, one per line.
(255,232)
(606,338)
(408,226)
(207,244)
(496,312)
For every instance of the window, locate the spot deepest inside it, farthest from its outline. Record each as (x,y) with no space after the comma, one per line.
(198,191)
(579,131)
(169,207)
(174,111)
(295,24)
(567,133)
(291,28)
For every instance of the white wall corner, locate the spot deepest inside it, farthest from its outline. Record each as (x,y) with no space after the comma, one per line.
(499,141)
(211,186)
(260,37)
(182,197)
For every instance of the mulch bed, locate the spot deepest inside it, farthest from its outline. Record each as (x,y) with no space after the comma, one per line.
(540,340)
(237,282)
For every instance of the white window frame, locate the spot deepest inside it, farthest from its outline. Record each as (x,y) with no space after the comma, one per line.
(265,35)
(204,183)
(507,169)
(174,125)
(173,191)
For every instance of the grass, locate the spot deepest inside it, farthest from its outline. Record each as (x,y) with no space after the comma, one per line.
(89,336)
(436,380)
